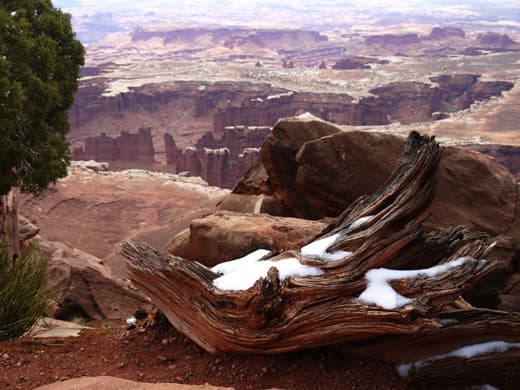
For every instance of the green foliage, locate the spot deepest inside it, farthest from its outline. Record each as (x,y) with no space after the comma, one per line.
(40,61)
(23,297)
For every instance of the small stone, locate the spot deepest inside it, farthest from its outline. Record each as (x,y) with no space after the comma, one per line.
(162,358)
(265,370)
(19,364)
(172,367)
(5,356)
(121,365)
(218,360)
(164,341)
(141,330)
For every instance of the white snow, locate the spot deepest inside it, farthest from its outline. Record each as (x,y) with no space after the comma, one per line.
(467,352)
(280,95)
(244,274)
(221,151)
(360,222)
(318,249)
(233,265)
(380,292)
(307,116)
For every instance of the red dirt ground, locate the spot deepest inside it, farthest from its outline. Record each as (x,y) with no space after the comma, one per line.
(152,355)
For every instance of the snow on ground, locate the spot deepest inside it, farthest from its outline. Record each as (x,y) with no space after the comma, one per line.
(467,352)
(380,292)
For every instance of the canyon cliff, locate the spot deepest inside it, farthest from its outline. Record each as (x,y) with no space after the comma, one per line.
(126,147)
(219,161)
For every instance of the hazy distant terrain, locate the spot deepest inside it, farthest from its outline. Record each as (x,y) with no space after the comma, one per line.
(191,69)
(94,19)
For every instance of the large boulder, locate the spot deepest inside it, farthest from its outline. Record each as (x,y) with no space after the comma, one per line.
(318,173)
(226,235)
(278,155)
(81,286)
(474,190)
(335,170)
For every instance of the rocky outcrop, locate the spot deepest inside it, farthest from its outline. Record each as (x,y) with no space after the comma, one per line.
(94,211)
(442,33)
(304,156)
(496,40)
(219,105)
(82,287)
(226,235)
(232,37)
(219,161)
(393,39)
(91,102)
(356,62)
(507,155)
(127,147)
(405,102)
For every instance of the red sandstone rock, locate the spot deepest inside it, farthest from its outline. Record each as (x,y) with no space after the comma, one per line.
(221,162)
(225,235)
(278,155)
(507,155)
(312,168)
(82,287)
(128,147)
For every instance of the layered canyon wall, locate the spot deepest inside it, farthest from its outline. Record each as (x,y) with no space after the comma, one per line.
(219,161)
(126,147)
(217,126)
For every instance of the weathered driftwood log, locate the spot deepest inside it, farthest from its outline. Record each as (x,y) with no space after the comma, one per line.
(338,300)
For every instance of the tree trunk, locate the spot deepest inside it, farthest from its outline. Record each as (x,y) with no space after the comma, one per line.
(276,316)
(9,224)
